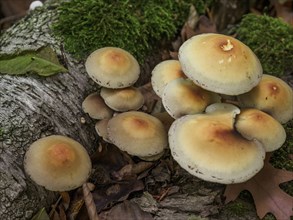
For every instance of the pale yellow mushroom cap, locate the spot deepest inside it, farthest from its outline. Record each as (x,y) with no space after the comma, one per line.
(95,106)
(137,133)
(163,73)
(207,146)
(273,96)
(58,163)
(255,124)
(182,97)
(121,100)
(220,63)
(112,67)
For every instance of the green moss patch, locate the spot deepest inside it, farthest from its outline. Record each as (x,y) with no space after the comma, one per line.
(272,41)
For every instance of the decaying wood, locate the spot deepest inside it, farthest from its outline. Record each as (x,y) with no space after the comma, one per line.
(32,107)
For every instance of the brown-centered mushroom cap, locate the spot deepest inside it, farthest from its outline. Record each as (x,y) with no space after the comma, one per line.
(58,163)
(220,63)
(165,72)
(137,133)
(255,124)
(207,146)
(273,96)
(183,97)
(121,100)
(112,67)
(95,106)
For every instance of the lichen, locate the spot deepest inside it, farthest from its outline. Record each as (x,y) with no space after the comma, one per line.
(136,26)
(272,41)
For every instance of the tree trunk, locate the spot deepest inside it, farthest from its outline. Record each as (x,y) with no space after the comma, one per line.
(32,107)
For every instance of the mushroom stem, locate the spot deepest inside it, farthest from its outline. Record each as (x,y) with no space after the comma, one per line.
(89,202)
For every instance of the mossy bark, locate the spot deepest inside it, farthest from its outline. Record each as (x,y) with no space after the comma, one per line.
(32,107)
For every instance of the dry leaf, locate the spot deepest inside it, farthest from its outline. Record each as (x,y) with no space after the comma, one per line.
(268,196)
(284,11)
(106,196)
(126,210)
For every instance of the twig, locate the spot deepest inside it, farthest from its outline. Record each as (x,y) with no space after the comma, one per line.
(89,203)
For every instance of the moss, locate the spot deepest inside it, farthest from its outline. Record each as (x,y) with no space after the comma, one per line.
(136,26)
(237,208)
(271,39)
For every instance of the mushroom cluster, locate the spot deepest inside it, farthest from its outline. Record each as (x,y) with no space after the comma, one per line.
(220,141)
(117,105)
(220,110)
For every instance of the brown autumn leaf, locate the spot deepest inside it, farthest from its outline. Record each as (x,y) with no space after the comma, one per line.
(126,210)
(264,187)
(284,11)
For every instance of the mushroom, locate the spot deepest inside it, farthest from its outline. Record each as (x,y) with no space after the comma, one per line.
(121,100)
(208,147)
(183,97)
(95,106)
(255,124)
(165,118)
(273,96)
(138,133)
(112,67)
(58,163)
(220,63)
(163,73)
(101,129)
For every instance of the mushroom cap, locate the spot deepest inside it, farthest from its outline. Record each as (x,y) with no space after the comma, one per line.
(121,100)
(183,97)
(163,73)
(273,96)
(207,146)
(101,129)
(256,124)
(58,163)
(220,63)
(137,133)
(95,106)
(112,67)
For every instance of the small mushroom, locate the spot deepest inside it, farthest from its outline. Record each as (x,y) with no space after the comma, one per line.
(163,73)
(58,163)
(121,100)
(138,133)
(112,67)
(273,96)
(256,124)
(220,63)
(101,129)
(207,146)
(183,97)
(95,106)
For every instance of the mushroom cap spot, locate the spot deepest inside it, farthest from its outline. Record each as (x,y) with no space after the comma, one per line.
(58,163)
(165,72)
(255,124)
(95,106)
(125,99)
(183,97)
(273,96)
(231,68)
(137,133)
(207,146)
(112,67)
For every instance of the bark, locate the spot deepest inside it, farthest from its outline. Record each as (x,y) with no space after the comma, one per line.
(32,107)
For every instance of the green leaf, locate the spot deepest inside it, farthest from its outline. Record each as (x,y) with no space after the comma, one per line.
(43,62)
(41,215)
